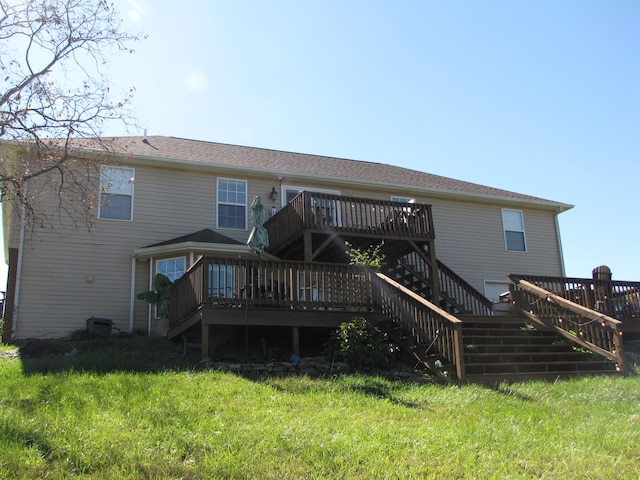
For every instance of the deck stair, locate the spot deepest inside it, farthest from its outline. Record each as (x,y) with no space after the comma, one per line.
(507,348)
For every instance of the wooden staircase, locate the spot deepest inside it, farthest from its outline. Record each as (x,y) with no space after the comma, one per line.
(507,348)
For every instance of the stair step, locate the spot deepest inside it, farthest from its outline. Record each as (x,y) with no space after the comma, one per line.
(546,357)
(538,367)
(492,378)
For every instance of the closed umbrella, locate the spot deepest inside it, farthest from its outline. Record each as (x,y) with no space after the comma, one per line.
(259,238)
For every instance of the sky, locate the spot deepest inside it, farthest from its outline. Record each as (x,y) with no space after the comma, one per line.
(538,97)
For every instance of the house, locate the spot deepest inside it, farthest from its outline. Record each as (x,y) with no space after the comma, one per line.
(165,202)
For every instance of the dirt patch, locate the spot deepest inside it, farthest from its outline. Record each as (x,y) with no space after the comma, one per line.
(36,348)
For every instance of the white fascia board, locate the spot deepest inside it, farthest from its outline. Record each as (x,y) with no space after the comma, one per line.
(443,193)
(200,248)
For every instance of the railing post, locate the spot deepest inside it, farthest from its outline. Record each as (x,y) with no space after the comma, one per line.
(459,351)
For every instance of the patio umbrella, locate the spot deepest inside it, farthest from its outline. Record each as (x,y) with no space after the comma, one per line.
(258,241)
(259,238)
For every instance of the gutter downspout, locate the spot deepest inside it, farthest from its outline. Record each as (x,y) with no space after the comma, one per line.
(562,267)
(150,307)
(133,294)
(16,296)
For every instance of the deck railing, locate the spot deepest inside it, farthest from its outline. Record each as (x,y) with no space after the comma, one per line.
(549,301)
(349,215)
(425,321)
(236,283)
(229,282)
(456,294)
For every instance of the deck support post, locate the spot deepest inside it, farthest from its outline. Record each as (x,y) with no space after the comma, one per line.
(205,344)
(296,340)
(308,247)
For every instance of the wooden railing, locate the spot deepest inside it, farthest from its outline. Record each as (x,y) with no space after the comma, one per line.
(547,300)
(349,215)
(426,322)
(235,283)
(456,294)
(229,282)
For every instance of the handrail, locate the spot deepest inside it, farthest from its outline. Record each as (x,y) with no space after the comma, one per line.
(590,329)
(617,299)
(349,215)
(456,294)
(427,323)
(295,285)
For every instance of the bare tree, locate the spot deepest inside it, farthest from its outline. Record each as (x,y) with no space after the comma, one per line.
(54,95)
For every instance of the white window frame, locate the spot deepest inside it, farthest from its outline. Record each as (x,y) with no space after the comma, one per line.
(403,199)
(283,193)
(159,260)
(507,227)
(113,184)
(235,204)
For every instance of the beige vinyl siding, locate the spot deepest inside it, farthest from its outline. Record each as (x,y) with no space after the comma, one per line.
(56,297)
(470,240)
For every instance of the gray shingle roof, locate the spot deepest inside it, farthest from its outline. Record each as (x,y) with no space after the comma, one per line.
(274,161)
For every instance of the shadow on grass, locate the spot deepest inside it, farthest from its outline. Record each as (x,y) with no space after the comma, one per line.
(126,353)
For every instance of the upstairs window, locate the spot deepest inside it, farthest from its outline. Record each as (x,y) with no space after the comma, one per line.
(116,193)
(513,225)
(232,204)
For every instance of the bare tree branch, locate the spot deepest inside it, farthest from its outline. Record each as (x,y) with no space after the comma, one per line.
(53,92)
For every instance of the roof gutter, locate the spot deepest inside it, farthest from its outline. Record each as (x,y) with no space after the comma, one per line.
(541,203)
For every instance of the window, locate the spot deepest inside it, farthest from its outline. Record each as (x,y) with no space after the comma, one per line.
(232,204)
(403,199)
(172,268)
(513,224)
(116,193)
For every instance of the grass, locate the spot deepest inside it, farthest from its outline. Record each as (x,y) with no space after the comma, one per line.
(133,408)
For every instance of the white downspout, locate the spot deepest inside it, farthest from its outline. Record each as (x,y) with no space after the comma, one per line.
(16,296)
(562,267)
(133,294)
(150,307)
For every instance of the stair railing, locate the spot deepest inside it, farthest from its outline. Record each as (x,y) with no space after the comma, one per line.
(456,294)
(426,322)
(582,326)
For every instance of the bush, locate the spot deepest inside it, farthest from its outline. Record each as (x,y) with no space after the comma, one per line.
(361,345)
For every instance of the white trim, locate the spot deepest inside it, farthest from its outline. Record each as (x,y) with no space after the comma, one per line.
(424,191)
(218,203)
(132,300)
(131,182)
(284,188)
(504,230)
(16,293)
(240,249)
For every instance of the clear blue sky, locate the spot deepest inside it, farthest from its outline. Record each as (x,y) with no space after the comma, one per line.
(537,97)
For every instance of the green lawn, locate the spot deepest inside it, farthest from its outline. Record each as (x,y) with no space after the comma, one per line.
(133,408)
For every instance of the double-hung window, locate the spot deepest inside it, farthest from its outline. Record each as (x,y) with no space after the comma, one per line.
(513,225)
(116,193)
(232,204)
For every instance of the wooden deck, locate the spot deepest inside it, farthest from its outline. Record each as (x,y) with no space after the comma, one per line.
(314,226)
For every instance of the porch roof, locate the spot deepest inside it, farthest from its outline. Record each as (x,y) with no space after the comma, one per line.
(204,241)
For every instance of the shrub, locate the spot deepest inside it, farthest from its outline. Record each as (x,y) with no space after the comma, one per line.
(361,345)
